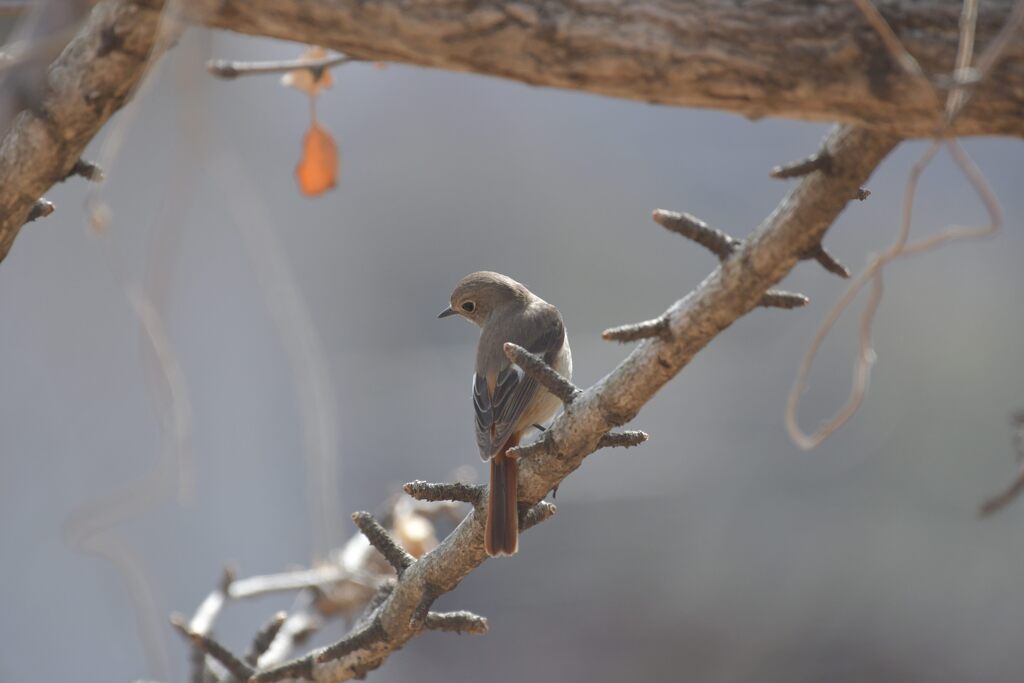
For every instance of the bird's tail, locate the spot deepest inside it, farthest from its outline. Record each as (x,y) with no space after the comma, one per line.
(501,536)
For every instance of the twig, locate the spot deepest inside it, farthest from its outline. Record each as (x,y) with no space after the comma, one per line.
(637,331)
(902,248)
(777,298)
(90,80)
(295,630)
(455,491)
(371,633)
(288,581)
(1000,501)
(380,539)
(541,445)
(622,439)
(41,209)
(222,68)
(548,378)
(827,260)
(819,161)
(456,622)
(87,170)
(730,292)
(422,611)
(534,515)
(714,240)
(892,43)
(718,243)
(210,607)
(265,637)
(233,664)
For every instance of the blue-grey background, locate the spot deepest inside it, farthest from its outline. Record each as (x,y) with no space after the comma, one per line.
(716,552)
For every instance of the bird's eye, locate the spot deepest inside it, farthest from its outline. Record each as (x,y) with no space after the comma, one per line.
(468,307)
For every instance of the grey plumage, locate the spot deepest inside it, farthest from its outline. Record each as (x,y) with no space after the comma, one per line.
(506,401)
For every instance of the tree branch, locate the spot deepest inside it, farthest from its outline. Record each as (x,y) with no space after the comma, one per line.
(819,62)
(736,287)
(775,58)
(93,77)
(380,539)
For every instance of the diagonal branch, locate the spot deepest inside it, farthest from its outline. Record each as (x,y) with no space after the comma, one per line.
(227,69)
(735,288)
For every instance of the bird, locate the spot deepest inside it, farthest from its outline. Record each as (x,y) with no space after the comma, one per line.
(507,402)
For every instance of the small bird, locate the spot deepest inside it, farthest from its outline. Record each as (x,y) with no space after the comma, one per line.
(506,401)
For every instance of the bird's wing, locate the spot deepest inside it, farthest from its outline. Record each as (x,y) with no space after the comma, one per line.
(498,411)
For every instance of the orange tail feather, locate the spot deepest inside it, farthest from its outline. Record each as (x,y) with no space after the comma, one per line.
(501,536)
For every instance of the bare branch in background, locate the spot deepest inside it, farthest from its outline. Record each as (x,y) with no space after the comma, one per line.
(901,248)
(222,68)
(265,637)
(90,80)
(354,580)
(235,666)
(997,503)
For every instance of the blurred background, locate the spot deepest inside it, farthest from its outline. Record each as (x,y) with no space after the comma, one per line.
(311,379)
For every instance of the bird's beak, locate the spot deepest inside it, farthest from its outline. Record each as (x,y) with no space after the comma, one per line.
(446,312)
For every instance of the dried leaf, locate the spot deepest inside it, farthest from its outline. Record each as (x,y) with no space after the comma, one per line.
(317,171)
(310,81)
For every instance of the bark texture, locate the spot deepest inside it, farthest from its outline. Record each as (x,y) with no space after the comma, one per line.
(818,61)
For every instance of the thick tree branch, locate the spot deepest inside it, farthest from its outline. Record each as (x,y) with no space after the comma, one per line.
(736,287)
(93,77)
(818,61)
(777,58)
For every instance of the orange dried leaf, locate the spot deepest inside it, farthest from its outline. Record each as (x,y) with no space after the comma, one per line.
(309,81)
(317,171)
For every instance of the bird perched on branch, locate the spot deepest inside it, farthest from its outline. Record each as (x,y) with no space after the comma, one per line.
(506,401)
